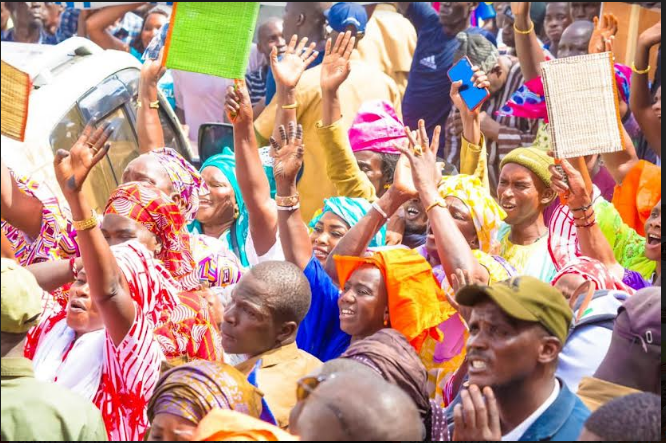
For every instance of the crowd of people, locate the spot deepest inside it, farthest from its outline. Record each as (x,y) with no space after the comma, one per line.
(371,260)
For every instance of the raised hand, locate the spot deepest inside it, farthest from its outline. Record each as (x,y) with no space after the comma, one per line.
(295,60)
(336,67)
(572,186)
(477,418)
(604,29)
(520,9)
(480,80)
(72,168)
(152,70)
(288,154)
(238,104)
(651,36)
(421,156)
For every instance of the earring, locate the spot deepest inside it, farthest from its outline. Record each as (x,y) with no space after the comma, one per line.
(387,186)
(236,212)
(386,322)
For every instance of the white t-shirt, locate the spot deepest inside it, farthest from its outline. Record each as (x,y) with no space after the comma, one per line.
(519,430)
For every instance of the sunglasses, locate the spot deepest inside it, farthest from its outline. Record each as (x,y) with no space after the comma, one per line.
(306,386)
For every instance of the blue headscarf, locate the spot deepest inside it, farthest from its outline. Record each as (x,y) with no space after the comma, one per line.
(238,233)
(351,210)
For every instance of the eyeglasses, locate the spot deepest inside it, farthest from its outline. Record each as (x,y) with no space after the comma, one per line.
(306,386)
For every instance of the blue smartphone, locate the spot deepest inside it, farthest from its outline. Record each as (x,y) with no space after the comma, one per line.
(472,96)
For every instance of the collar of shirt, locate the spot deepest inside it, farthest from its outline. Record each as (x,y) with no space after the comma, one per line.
(16,367)
(519,430)
(270,358)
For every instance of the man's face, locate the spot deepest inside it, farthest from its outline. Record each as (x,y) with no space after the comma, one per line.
(558,17)
(29,15)
(249,326)
(574,41)
(585,10)
(452,14)
(501,351)
(290,20)
(519,192)
(271,35)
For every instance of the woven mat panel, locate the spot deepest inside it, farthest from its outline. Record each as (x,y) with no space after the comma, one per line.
(211,38)
(583,107)
(16,88)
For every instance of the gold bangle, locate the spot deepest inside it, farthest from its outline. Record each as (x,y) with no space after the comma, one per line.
(84,225)
(151,105)
(639,72)
(291,106)
(439,202)
(529,31)
(288,202)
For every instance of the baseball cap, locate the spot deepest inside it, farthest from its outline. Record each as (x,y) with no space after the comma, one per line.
(639,318)
(344,14)
(21,298)
(527,299)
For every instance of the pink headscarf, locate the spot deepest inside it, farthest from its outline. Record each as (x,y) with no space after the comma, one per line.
(376,128)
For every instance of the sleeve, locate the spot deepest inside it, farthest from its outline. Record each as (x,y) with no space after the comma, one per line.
(264,124)
(473,160)
(341,166)
(510,138)
(422,14)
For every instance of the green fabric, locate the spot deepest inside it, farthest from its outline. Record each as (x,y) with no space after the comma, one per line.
(212,38)
(237,235)
(628,246)
(36,411)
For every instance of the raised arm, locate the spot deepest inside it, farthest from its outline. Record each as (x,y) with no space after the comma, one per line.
(454,250)
(528,49)
(592,241)
(288,158)
(22,211)
(251,177)
(149,127)
(98,23)
(52,275)
(108,288)
(641,99)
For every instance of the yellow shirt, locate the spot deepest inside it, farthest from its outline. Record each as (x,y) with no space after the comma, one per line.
(280,370)
(365,83)
(595,392)
(389,43)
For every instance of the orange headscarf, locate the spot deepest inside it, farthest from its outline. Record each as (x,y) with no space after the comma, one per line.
(416,302)
(227,425)
(638,195)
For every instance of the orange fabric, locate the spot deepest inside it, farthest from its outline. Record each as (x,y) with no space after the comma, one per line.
(227,425)
(416,302)
(639,193)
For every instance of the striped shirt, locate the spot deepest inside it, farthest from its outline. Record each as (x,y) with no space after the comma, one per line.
(514,132)
(131,369)
(256,84)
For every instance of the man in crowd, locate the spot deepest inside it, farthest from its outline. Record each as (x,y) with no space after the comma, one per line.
(269,35)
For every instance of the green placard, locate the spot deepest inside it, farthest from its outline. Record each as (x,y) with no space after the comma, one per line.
(211,38)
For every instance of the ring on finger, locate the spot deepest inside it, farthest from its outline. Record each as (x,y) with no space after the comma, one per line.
(91,145)
(418,151)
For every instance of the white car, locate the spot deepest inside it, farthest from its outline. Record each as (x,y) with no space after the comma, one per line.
(72,83)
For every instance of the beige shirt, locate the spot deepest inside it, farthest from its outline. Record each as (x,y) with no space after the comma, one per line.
(277,376)
(595,392)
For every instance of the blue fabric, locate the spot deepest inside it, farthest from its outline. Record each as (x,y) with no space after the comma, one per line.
(271,88)
(319,333)
(237,235)
(427,95)
(351,210)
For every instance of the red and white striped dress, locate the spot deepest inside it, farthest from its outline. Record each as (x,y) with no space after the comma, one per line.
(131,369)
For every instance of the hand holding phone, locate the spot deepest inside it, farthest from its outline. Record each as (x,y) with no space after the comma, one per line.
(472,96)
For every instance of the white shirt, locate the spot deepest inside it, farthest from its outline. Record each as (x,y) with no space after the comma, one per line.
(519,430)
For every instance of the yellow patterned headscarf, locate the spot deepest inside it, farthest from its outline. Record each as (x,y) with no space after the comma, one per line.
(486,213)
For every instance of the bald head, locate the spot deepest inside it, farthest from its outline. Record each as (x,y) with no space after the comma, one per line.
(575,39)
(286,290)
(306,19)
(342,365)
(333,412)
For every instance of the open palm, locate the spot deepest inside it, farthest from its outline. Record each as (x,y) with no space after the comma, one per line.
(288,154)
(335,67)
(288,71)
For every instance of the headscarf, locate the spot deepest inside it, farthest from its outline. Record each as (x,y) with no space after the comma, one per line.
(154,210)
(351,211)
(216,264)
(484,210)
(478,49)
(239,231)
(389,354)
(416,303)
(185,179)
(225,425)
(529,101)
(376,128)
(593,271)
(194,389)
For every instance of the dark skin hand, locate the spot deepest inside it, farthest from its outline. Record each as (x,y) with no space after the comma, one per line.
(108,287)
(149,127)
